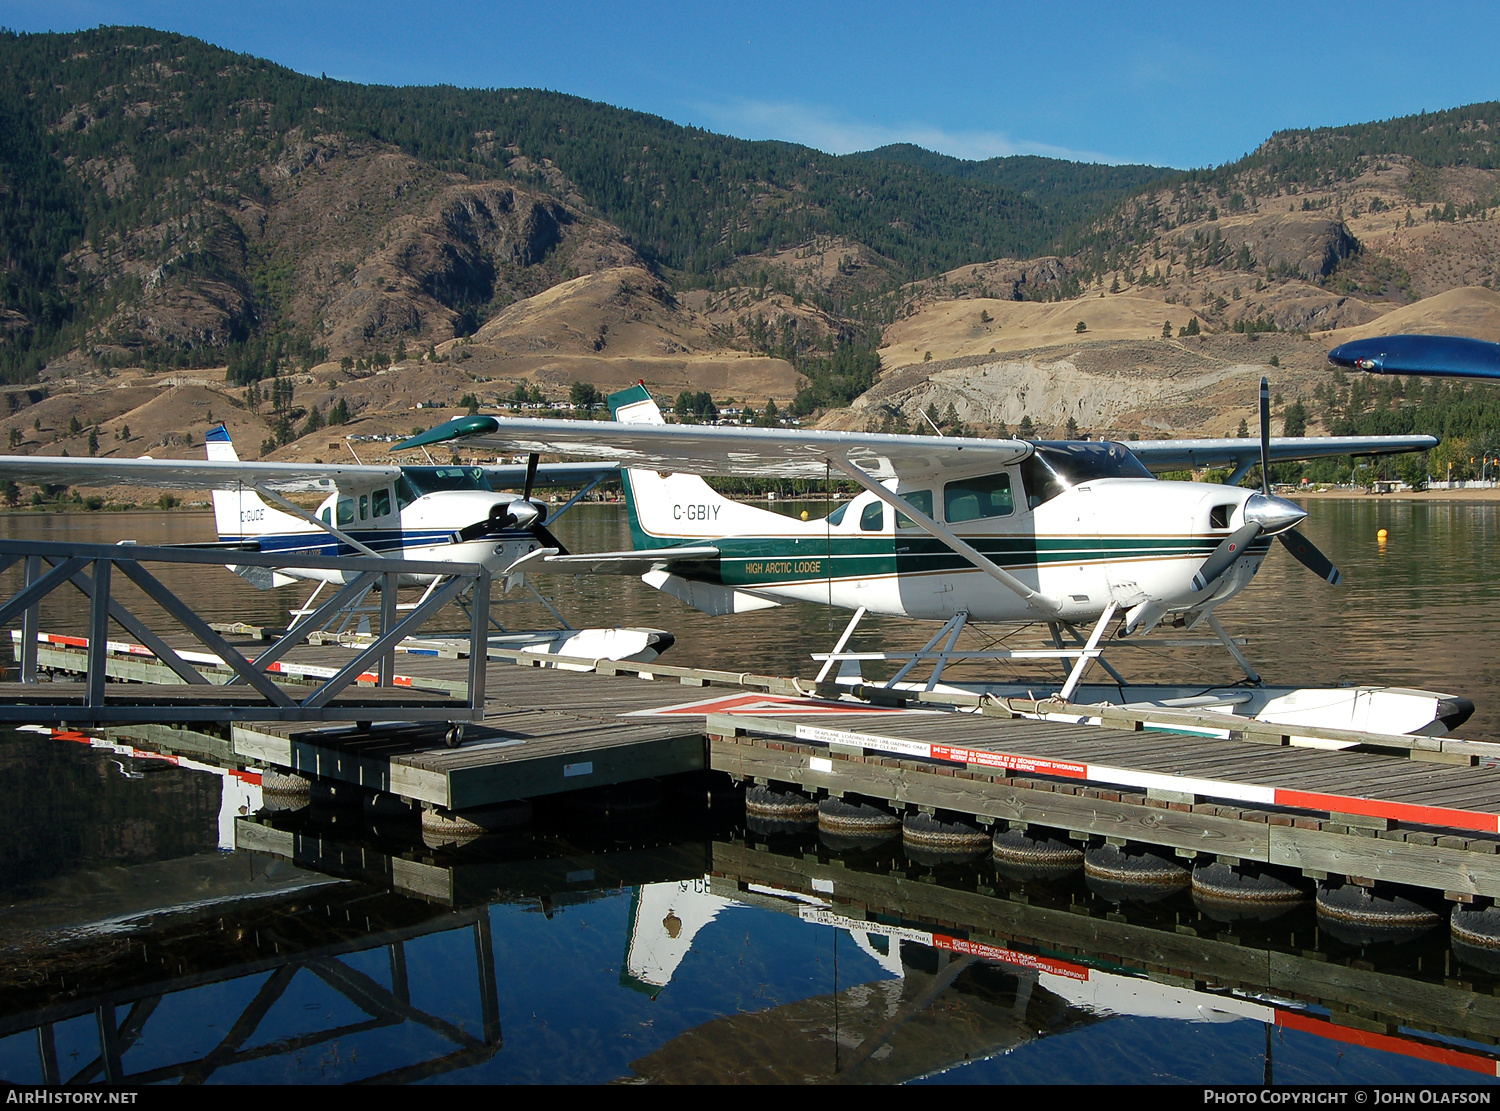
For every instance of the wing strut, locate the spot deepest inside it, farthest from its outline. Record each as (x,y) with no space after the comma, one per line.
(1048,607)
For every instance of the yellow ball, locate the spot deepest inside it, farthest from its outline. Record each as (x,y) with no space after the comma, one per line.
(1381,535)
(805,515)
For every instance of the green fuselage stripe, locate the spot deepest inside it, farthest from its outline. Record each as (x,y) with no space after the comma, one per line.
(780,560)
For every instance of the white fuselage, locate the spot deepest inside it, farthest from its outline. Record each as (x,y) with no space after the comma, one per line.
(426,529)
(1122,541)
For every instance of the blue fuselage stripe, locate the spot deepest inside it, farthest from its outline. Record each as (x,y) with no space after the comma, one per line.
(381,540)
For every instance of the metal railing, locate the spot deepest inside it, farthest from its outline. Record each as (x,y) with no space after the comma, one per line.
(91,569)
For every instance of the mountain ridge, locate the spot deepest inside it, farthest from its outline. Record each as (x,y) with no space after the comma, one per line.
(168,205)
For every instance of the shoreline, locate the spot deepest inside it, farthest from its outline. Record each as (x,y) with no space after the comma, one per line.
(1404,495)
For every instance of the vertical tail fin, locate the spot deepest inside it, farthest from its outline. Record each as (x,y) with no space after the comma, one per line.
(664,508)
(239,513)
(219,445)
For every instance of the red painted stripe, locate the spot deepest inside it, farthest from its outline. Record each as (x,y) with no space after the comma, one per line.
(1398,811)
(277,668)
(1010,761)
(1456,1058)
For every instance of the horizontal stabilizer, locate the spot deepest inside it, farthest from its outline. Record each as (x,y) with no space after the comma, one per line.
(263,578)
(634,562)
(710,598)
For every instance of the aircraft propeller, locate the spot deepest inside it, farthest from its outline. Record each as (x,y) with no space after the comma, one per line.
(521,513)
(1266,513)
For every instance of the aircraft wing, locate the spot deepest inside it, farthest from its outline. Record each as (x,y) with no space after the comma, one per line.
(1173,455)
(228,474)
(627,563)
(505,475)
(1444,356)
(191,474)
(726,450)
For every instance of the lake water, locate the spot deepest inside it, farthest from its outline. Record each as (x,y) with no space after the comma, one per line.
(678,942)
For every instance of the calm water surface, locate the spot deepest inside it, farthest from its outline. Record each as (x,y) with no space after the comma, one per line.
(677,943)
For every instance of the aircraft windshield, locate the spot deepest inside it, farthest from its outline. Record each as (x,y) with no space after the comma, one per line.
(1077,462)
(429,480)
(1061,465)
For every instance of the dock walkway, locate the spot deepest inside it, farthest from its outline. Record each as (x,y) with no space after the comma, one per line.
(1411,810)
(1366,816)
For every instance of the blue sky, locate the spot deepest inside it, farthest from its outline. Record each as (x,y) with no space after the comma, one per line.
(1170,83)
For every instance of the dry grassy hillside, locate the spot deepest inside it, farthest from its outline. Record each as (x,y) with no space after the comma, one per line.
(1115,381)
(613,328)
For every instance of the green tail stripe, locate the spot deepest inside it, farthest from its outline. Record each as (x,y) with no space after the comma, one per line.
(632,395)
(629,396)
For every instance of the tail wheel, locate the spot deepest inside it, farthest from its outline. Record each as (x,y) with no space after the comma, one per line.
(455,735)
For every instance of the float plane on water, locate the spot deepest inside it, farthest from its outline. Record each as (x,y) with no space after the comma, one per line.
(1075,535)
(440,514)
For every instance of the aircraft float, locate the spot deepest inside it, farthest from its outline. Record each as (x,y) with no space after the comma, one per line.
(1076,536)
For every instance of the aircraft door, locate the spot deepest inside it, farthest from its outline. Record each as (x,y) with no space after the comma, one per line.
(1071,552)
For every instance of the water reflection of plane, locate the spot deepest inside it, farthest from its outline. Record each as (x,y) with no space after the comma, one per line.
(932,1010)
(1102,965)
(943,1002)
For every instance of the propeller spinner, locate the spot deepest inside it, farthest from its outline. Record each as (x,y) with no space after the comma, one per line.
(1266,513)
(519,513)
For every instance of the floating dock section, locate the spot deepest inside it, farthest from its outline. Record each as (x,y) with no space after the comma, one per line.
(1416,811)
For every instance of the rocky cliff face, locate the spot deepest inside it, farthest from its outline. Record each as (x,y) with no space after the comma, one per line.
(360,247)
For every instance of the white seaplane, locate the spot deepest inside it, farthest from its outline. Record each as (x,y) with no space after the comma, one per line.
(440,514)
(1076,536)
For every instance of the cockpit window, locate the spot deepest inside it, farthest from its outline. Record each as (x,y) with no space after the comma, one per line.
(406,493)
(1042,482)
(429,480)
(920,500)
(1078,462)
(974,499)
(1056,467)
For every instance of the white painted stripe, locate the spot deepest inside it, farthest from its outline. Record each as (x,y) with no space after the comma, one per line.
(1188,785)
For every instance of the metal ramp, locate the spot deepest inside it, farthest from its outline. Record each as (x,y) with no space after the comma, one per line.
(251,693)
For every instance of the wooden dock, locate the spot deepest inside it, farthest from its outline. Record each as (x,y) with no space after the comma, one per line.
(1366,816)
(1418,811)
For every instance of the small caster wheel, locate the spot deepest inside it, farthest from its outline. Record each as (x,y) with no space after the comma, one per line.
(455,735)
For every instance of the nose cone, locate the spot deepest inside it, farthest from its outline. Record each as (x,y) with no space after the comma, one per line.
(524,514)
(1361,354)
(1273,514)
